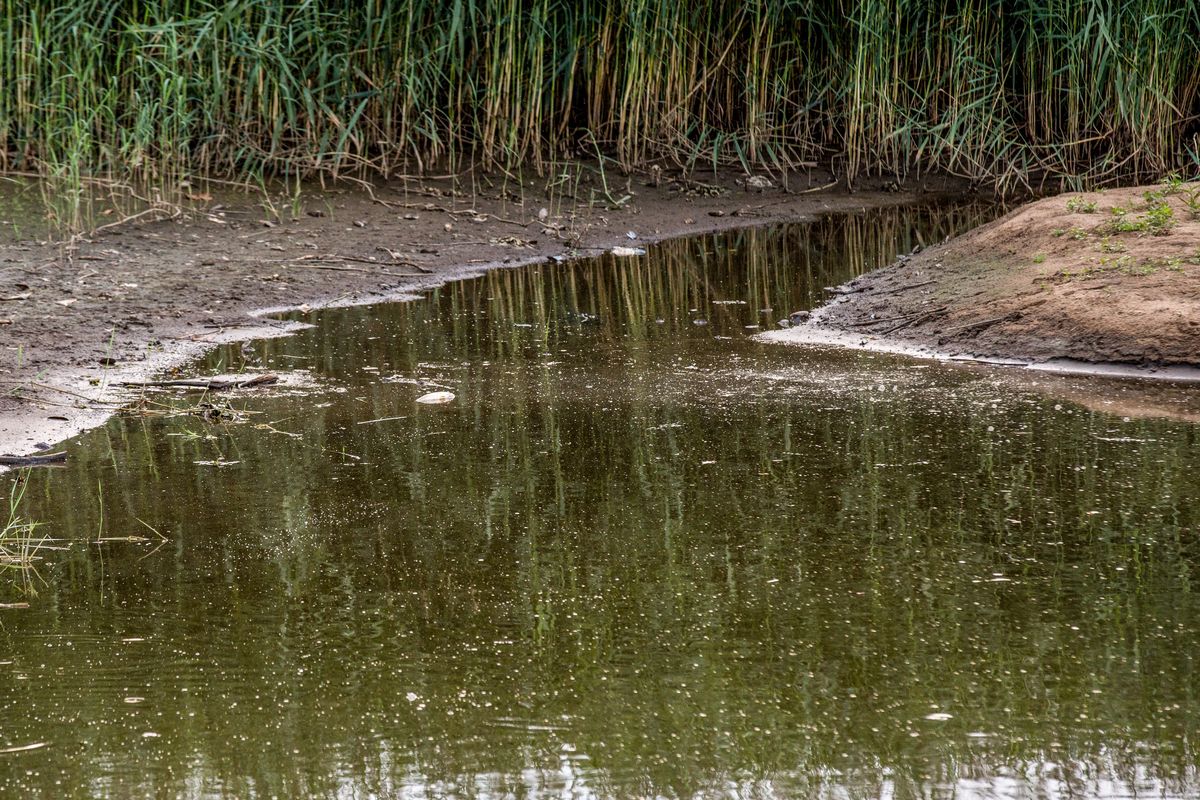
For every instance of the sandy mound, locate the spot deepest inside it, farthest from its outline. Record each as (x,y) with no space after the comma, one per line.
(1102,277)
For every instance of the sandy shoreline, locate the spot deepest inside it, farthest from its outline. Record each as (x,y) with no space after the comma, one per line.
(816,334)
(145,298)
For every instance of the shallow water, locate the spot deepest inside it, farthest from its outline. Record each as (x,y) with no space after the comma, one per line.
(638,556)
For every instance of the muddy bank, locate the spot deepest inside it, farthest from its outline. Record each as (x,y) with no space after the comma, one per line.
(137,299)
(1065,283)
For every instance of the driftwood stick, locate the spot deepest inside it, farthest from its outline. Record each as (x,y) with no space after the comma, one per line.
(206,383)
(914,319)
(829,185)
(983,323)
(906,287)
(338,257)
(332,268)
(399,259)
(39,460)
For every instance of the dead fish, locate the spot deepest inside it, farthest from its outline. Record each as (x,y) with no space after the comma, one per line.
(436,398)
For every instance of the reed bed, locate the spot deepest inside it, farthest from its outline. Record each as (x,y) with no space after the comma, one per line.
(157,92)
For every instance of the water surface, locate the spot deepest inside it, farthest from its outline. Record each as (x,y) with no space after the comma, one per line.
(641,555)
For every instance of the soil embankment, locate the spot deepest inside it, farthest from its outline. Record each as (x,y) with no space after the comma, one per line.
(140,298)
(1103,278)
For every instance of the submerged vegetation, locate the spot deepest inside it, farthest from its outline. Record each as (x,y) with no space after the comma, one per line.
(18,544)
(157,93)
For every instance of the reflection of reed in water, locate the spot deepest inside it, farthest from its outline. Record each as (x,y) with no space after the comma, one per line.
(550,573)
(776,268)
(660,615)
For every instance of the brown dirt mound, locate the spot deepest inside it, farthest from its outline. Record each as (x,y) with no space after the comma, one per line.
(1101,277)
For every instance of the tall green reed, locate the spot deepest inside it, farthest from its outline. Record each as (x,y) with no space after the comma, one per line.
(154,92)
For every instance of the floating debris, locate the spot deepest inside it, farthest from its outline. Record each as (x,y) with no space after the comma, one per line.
(436,398)
(627,251)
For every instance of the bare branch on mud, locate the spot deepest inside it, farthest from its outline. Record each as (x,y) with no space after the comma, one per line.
(213,384)
(38,460)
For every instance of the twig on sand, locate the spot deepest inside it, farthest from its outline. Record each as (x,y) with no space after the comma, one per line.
(914,319)
(905,287)
(337,257)
(314,261)
(206,383)
(171,212)
(65,391)
(333,268)
(862,323)
(403,262)
(829,185)
(983,323)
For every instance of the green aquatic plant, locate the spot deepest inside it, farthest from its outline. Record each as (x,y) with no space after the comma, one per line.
(19,545)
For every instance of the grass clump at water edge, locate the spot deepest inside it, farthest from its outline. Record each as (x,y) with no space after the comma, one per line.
(19,545)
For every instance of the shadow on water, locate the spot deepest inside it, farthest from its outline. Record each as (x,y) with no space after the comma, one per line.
(637,556)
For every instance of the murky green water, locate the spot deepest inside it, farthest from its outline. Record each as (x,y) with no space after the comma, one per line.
(638,557)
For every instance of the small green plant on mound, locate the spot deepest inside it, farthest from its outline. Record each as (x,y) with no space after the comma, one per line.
(1158,219)
(1172,184)
(1191,199)
(1173,264)
(1076,233)
(1067,275)
(1108,245)
(1128,265)
(1040,258)
(1078,205)
(1140,269)
(1124,265)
